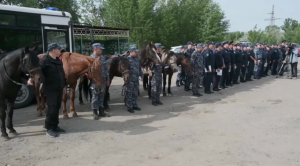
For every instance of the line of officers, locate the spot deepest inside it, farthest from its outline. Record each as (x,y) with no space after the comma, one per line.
(225,64)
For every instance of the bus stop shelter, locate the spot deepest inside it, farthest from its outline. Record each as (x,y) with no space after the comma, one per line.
(118,42)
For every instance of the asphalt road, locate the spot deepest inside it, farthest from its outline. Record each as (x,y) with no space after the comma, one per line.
(255,123)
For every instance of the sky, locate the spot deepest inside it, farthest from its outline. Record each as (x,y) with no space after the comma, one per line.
(245,14)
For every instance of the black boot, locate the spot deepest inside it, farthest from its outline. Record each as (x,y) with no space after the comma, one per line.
(102,113)
(95,112)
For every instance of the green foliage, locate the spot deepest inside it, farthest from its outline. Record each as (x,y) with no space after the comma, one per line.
(170,22)
(291,30)
(233,36)
(270,35)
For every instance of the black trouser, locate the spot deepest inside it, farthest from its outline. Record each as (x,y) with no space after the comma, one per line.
(208,80)
(225,75)
(237,72)
(216,80)
(294,69)
(231,75)
(250,69)
(243,73)
(274,67)
(53,100)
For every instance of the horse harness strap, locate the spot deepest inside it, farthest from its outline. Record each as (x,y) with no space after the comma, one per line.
(29,71)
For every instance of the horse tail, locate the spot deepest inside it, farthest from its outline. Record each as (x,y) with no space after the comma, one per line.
(85,87)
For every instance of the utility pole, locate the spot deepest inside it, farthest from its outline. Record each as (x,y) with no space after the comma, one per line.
(272,19)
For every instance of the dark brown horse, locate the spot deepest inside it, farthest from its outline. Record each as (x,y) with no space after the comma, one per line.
(75,65)
(168,59)
(14,66)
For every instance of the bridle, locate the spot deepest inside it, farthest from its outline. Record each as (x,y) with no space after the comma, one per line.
(28,70)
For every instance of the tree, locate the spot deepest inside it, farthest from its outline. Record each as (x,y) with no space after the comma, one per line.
(233,36)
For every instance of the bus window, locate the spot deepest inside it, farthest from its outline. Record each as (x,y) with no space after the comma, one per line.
(7,19)
(58,37)
(28,21)
(13,39)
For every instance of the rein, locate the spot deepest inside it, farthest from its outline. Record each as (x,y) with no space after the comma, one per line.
(17,83)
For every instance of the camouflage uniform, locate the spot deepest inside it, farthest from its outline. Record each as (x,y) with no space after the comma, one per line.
(188,77)
(132,87)
(97,94)
(156,82)
(197,67)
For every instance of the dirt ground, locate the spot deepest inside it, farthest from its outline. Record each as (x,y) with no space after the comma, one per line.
(250,124)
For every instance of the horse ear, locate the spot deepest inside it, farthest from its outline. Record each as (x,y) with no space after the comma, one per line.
(26,50)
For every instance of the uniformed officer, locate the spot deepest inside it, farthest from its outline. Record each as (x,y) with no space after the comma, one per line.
(197,67)
(244,64)
(209,67)
(156,83)
(251,63)
(132,87)
(188,78)
(159,48)
(179,78)
(258,57)
(268,61)
(239,61)
(232,64)
(54,84)
(97,93)
(227,61)
(219,63)
(275,58)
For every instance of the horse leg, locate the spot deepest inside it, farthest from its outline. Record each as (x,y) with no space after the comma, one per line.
(169,84)
(80,93)
(72,98)
(164,83)
(145,82)
(38,100)
(149,87)
(10,111)
(64,100)
(2,117)
(43,102)
(106,96)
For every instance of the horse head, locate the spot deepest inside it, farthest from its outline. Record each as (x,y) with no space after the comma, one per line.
(170,59)
(95,71)
(184,60)
(148,55)
(30,64)
(123,67)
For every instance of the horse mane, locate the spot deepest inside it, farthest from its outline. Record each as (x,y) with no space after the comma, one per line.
(5,54)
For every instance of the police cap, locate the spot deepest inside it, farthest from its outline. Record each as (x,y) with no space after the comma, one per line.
(53,46)
(97,45)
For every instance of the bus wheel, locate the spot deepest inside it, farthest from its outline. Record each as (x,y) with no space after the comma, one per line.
(25,97)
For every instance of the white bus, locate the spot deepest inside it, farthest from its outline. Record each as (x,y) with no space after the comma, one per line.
(22,26)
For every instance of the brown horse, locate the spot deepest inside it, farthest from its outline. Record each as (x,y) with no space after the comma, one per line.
(75,65)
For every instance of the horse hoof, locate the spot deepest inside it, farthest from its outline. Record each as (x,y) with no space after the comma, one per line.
(74,115)
(170,94)
(5,137)
(81,103)
(39,114)
(66,116)
(13,132)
